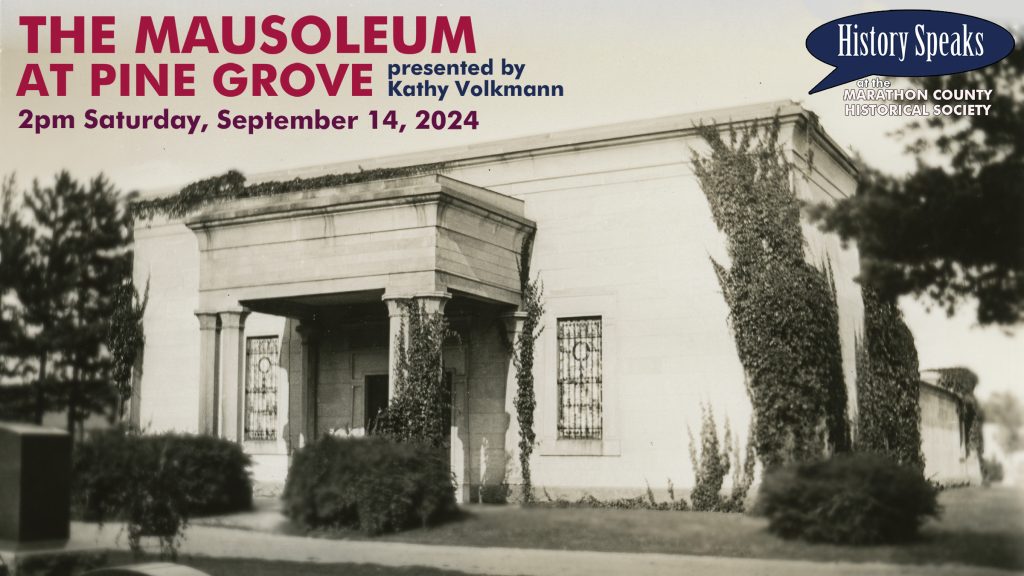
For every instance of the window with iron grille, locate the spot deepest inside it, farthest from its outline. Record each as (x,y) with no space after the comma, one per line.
(579,378)
(262,356)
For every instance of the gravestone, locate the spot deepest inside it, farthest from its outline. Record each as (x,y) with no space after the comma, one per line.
(35,484)
(35,505)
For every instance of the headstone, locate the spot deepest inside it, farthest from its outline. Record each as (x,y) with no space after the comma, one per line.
(35,484)
(35,505)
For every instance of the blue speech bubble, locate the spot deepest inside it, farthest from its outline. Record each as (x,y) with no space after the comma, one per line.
(906,43)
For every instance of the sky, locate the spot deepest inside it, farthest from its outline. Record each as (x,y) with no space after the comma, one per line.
(618,61)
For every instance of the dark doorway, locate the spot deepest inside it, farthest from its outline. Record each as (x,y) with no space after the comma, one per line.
(375,399)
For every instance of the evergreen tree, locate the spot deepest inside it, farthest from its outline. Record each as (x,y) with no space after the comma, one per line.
(949,232)
(17,402)
(66,279)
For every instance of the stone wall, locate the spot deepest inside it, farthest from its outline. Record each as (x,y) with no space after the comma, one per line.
(947,458)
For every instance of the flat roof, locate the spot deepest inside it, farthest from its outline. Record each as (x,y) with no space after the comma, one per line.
(557,142)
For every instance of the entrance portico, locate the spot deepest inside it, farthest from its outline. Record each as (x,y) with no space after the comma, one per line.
(338,263)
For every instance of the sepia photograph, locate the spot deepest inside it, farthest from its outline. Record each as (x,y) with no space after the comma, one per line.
(526,288)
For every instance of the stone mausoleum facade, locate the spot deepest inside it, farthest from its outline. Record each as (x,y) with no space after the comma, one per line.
(272,321)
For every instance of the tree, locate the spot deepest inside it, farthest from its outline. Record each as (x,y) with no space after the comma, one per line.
(16,402)
(1005,411)
(73,254)
(952,232)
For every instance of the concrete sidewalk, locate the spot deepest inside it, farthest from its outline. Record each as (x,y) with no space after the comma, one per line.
(234,543)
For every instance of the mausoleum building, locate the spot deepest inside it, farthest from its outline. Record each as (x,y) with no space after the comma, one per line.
(274,320)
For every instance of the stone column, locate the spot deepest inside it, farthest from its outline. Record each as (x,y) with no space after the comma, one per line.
(209,332)
(513,322)
(396,322)
(310,335)
(232,374)
(433,302)
(430,302)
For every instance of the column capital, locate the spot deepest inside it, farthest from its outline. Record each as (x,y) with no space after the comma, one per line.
(513,322)
(233,318)
(432,301)
(207,320)
(394,303)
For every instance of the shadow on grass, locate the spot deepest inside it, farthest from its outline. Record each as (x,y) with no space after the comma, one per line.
(247,567)
(993,549)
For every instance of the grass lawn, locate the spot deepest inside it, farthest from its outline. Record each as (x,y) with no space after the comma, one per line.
(979,526)
(246,567)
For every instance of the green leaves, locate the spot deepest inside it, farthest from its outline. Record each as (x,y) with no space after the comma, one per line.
(231,184)
(950,231)
(889,415)
(783,310)
(421,407)
(522,358)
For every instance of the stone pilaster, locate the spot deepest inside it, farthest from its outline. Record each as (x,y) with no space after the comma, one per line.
(209,332)
(310,334)
(396,324)
(232,374)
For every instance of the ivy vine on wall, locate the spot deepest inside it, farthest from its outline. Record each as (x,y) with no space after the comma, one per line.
(420,409)
(888,384)
(783,310)
(126,339)
(522,358)
(961,382)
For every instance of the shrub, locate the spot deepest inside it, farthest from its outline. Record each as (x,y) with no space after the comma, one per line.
(371,484)
(710,467)
(155,483)
(849,499)
(641,502)
(211,473)
(214,473)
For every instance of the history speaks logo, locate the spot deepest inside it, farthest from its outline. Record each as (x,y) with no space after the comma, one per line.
(906,43)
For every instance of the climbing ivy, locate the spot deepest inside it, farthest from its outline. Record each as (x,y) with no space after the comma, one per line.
(126,338)
(783,310)
(710,465)
(888,389)
(420,409)
(522,358)
(961,382)
(231,185)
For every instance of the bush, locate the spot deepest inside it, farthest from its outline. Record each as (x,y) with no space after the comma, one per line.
(710,466)
(212,474)
(371,484)
(849,499)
